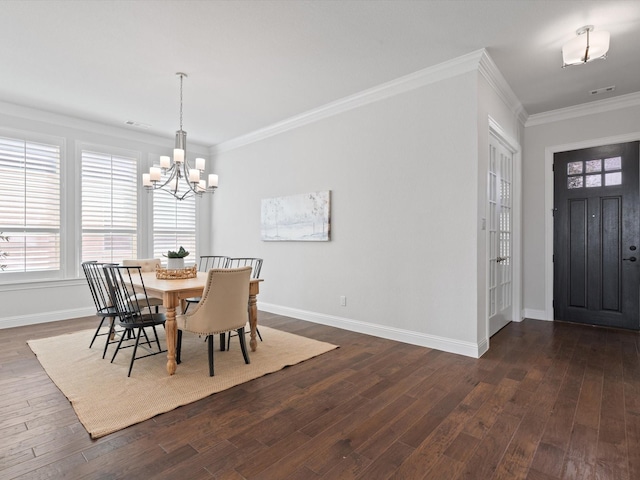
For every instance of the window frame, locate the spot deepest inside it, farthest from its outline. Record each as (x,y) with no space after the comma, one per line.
(110,151)
(8,278)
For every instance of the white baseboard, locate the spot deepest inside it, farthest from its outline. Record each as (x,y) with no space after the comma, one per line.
(450,345)
(536,314)
(32,319)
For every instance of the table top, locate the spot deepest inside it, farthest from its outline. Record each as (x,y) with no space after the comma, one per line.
(173,285)
(177,285)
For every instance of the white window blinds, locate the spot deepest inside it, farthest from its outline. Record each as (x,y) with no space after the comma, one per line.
(174,225)
(30,205)
(109,207)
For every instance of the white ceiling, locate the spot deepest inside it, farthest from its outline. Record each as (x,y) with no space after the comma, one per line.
(254,63)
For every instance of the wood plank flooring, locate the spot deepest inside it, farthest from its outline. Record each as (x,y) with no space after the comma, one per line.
(548,401)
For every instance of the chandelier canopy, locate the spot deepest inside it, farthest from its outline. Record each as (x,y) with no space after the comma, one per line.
(178,178)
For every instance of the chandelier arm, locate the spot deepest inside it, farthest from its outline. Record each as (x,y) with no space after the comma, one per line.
(171,176)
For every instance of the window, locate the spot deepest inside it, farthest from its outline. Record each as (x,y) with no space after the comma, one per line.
(109,207)
(30,204)
(174,225)
(591,173)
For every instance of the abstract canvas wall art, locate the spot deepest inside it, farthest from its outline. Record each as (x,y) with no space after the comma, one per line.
(304,217)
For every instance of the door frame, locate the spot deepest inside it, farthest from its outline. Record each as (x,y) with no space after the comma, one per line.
(549,153)
(516,227)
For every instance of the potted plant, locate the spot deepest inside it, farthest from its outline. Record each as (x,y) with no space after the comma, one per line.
(175,260)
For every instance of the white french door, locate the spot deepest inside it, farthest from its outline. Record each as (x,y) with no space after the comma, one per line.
(500,235)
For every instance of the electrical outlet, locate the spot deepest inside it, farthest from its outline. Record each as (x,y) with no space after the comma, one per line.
(343,301)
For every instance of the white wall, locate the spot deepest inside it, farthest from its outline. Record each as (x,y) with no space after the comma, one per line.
(593,124)
(406,165)
(68,296)
(403,179)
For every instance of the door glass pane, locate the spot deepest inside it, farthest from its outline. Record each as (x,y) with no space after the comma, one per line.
(594,180)
(614,163)
(593,166)
(574,182)
(574,168)
(614,178)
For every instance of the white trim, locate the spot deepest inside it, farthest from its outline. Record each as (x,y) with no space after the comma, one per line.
(33,319)
(119,132)
(549,202)
(498,83)
(421,78)
(533,314)
(444,344)
(600,106)
(40,284)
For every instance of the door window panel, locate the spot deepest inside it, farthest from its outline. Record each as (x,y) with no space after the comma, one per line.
(594,166)
(591,173)
(614,163)
(594,180)
(574,168)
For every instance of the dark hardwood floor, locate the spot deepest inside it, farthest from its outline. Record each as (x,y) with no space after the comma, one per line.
(548,401)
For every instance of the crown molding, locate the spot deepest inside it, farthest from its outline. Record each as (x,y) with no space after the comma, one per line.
(457,66)
(496,80)
(584,109)
(59,120)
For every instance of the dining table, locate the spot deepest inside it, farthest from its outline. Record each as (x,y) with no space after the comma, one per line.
(174,291)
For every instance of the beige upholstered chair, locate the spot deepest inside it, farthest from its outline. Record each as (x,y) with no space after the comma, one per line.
(207,262)
(148,265)
(223,308)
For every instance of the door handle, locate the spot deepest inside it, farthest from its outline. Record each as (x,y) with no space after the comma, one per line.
(502,259)
(631,259)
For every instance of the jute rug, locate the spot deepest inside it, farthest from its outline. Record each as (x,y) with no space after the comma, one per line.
(97,389)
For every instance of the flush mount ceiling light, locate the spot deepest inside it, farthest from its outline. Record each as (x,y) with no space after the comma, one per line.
(586,47)
(177,177)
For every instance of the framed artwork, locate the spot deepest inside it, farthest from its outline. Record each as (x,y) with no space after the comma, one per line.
(304,218)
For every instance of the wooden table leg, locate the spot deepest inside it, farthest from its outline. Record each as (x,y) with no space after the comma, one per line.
(170,332)
(253,321)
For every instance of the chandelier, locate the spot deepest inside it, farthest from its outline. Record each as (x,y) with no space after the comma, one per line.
(168,175)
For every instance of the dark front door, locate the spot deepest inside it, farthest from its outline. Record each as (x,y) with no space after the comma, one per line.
(597,236)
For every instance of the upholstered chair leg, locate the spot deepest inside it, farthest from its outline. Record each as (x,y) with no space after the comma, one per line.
(210,343)
(243,345)
(178,346)
(222,341)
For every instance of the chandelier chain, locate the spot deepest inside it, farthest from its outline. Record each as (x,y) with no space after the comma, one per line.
(181,77)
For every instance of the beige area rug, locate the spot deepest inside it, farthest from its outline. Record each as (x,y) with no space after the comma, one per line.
(96,387)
